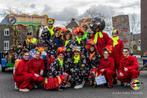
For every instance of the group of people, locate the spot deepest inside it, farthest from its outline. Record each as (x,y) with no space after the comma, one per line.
(62,58)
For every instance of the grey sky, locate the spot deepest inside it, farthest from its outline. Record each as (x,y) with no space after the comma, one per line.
(64,10)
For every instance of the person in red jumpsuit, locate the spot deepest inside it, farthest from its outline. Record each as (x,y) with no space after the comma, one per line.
(22,77)
(117,48)
(128,68)
(36,64)
(106,68)
(100,38)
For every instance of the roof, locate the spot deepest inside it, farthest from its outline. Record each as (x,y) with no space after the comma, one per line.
(28,23)
(72,24)
(5,21)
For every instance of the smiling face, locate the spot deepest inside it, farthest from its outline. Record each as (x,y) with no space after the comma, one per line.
(26,56)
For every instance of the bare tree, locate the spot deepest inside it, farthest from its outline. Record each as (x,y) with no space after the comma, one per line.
(104,12)
(134,23)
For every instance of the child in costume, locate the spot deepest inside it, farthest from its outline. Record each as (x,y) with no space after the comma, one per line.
(56,72)
(107,68)
(79,41)
(57,39)
(77,69)
(93,60)
(86,33)
(48,33)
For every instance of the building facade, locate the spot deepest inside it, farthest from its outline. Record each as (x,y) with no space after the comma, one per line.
(6,39)
(121,23)
(26,19)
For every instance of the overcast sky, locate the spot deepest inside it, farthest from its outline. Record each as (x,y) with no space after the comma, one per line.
(63,10)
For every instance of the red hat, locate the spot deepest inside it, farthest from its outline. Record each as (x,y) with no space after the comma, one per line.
(60,50)
(78,30)
(90,43)
(57,29)
(63,29)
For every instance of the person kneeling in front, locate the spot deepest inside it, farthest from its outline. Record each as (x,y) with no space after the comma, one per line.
(128,69)
(23,78)
(107,68)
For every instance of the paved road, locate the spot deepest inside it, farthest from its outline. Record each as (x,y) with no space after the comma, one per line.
(7,91)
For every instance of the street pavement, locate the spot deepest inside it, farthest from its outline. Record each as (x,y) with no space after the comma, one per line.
(7,90)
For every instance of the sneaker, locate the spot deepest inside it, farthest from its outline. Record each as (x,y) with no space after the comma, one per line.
(24,90)
(79,86)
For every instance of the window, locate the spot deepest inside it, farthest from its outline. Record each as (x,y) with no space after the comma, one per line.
(6,45)
(7,32)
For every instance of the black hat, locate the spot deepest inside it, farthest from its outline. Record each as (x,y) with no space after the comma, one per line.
(97,23)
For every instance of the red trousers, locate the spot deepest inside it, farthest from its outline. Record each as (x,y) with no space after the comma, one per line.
(109,75)
(27,81)
(128,76)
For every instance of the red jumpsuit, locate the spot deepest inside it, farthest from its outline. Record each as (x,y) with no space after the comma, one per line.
(117,53)
(104,42)
(23,78)
(132,64)
(36,65)
(108,66)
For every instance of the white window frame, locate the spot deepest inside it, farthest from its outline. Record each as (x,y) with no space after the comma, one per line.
(6,45)
(6,32)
